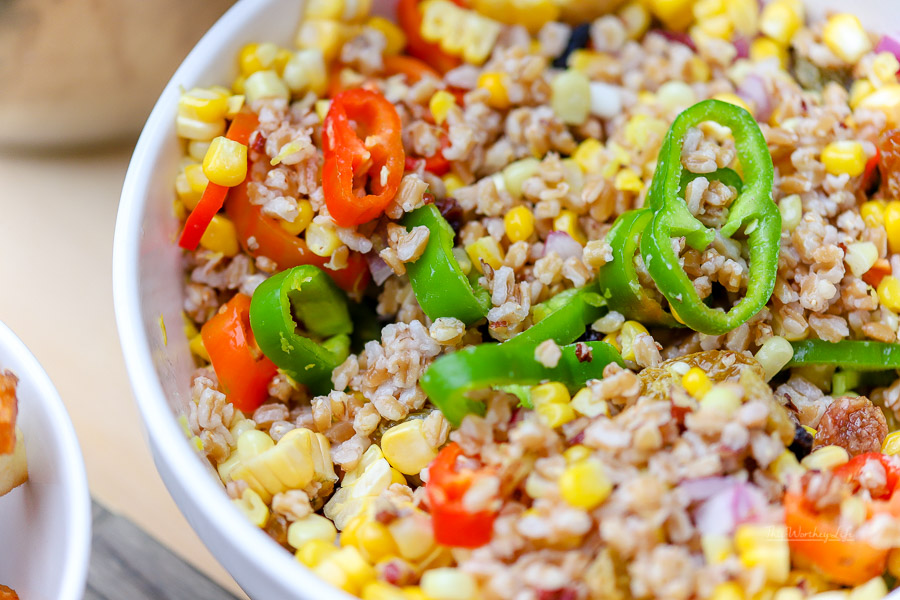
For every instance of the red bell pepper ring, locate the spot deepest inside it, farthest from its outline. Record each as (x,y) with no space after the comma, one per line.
(453,525)
(370,157)
(409,17)
(819,539)
(243,372)
(260,235)
(242,126)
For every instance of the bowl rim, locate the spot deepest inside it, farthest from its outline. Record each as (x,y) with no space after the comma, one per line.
(167,440)
(77,543)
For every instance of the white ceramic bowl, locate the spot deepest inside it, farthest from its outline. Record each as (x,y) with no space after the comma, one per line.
(148,283)
(45,524)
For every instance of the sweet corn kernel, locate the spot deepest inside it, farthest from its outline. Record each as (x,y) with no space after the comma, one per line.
(306,71)
(195,129)
(788,593)
(721,398)
(225,162)
(613,340)
(374,541)
(352,562)
(780,21)
(197,149)
(380,590)
(874,589)
(860,257)
(733,99)
(889,293)
(588,155)
(696,382)
(826,457)
(252,443)
(774,355)
(765,546)
(459,31)
(304,218)
(586,404)
(885,67)
(196,178)
(872,212)
(584,484)
(786,466)
(791,208)
(257,57)
(892,224)
(495,83)
(396,39)
(716,548)
(187,197)
(322,239)
(221,236)
(675,14)
(891,443)
(844,157)
(885,99)
(675,95)
(406,447)
(853,510)
(414,592)
(266,84)
(730,590)
(568,221)
(253,507)
(440,104)
(576,453)
(314,552)
(549,393)
(328,35)
(515,174)
(197,347)
(809,430)
(744,14)
(629,331)
(570,96)
(859,90)
(329,571)
(237,86)
(452,182)
(641,129)
(413,536)
(628,181)
(485,249)
(764,48)
(845,37)
(555,415)
(519,223)
(203,104)
(449,584)
(311,527)
(636,19)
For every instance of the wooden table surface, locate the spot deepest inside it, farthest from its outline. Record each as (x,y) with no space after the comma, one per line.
(57,214)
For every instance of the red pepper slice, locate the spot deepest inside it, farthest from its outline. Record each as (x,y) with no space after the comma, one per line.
(409,17)
(260,235)
(243,371)
(371,156)
(447,484)
(413,68)
(436,163)
(243,125)
(885,502)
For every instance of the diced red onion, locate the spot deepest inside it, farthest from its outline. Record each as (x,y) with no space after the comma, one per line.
(677,36)
(742,45)
(379,269)
(723,512)
(889,43)
(753,90)
(704,487)
(563,244)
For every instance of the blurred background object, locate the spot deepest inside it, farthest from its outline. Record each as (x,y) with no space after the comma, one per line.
(87,72)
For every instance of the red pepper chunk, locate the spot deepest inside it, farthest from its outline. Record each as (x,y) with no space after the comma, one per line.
(260,235)
(243,371)
(447,484)
(363,166)
(243,125)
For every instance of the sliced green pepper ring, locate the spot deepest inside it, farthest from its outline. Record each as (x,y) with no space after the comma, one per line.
(303,296)
(440,285)
(856,355)
(563,317)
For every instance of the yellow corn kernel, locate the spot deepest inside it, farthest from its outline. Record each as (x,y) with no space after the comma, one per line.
(860,257)
(352,562)
(322,239)
(780,21)
(187,197)
(733,99)
(311,527)
(314,552)
(440,104)
(414,592)
(204,105)
(196,178)
(567,221)
(641,129)
(549,393)
(253,507)
(340,10)
(495,83)
(853,510)
(717,26)
(789,593)
(675,95)
(845,37)
(786,466)
(763,48)
(328,35)
(858,91)
(459,31)
(765,546)
(322,107)
(452,182)
(448,583)
(225,162)
(584,484)
(716,548)
(570,96)
(555,415)
(589,155)
(257,57)
(885,67)
(636,19)
(629,331)
(586,404)
(730,590)
(197,347)
(874,589)
(406,447)
(791,208)
(253,443)
(519,223)
(396,39)
(397,477)
(304,218)
(380,590)
(696,382)
(485,249)
(516,173)
(374,541)
(891,443)
(266,84)
(576,453)
(221,236)
(826,457)
(885,99)
(720,398)
(413,535)
(872,212)
(774,355)
(675,14)
(889,293)
(844,157)
(628,181)
(891,219)
(613,340)
(306,71)
(195,129)
(237,86)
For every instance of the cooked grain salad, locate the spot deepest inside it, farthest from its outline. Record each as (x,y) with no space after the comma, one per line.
(554,299)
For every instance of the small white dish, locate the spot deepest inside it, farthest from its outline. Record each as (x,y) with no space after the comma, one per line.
(45,524)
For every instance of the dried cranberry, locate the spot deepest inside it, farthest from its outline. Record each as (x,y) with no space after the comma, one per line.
(803,442)
(452,211)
